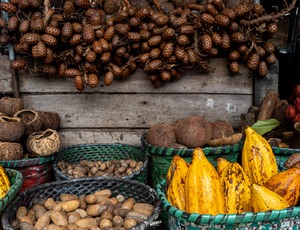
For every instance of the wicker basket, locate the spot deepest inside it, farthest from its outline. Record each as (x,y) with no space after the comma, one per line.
(283,219)
(35,171)
(161,157)
(16,180)
(83,186)
(104,152)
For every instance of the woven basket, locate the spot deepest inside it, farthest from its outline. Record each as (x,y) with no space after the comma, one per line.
(284,219)
(16,180)
(161,157)
(83,186)
(35,171)
(104,152)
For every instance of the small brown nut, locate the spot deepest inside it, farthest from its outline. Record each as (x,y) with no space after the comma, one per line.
(73,217)
(103,166)
(129,171)
(104,223)
(106,215)
(94,170)
(118,221)
(49,203)
(90,199)
(103,192)
(114,200)
(21,211)
(122,169)
(95,209)
(70,206)
(86,223)
(58,218)
(42,222)
(129,223)
(67,197)
(82,212)
(133,164)
(26,219)
(129,203)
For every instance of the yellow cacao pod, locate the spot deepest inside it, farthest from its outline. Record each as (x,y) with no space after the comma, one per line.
(263,199)
(237,190)
(287,185)
(4,183)
(222,163)
(176,182)
(258,159)
(203,189)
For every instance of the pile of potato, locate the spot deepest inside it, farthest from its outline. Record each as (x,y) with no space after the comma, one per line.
(111,168)
(96,211)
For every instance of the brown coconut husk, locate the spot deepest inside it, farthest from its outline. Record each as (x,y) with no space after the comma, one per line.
(44,143)
(31,119)
(11,151)
(9,106)
(11,128)
(50,120)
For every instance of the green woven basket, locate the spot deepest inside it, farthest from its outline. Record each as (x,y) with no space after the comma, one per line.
(16,180)
(104,152)
(161,157)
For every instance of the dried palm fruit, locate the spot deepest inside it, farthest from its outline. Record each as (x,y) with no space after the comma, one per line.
(143,13)
(133,36)
(230,13)
(155,53)
(165,75)
(93,80)
(90,56)
(8,7)
(178,21)
(153,65)
(262,69)
(155,40)
(71,72)
(104,44)
(88,33)
(186,29)
(39,50)
(50,57)
(161,20)
(237,37)
(18,64)
(24,26)
(121,16)
(37,25)
(61,69)
(222,20)
(52,31)
(219,4)
(79,83)
(75,39)
(206,42)
(67,30)
(48,69)
(216,39)
(145,34)
(180,52)
(272,27)
(207,19)
(122,29)
(243,49)
(49,39)
(13,23)
(234,55)
(234,67)
(269,47)
(192,56)
(68,7)
(225,41)
(168,33)
(105,57)
(143,58)
(210,9)
(168,50)
(108,78)
(271,59)
(257,10)
(253,62)
(242,10)
(135,22)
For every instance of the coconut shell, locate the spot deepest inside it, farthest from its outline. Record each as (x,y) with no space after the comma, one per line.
(50,120)
(11,128)
(31,119)
(9,106)
(10,151)
(43,143)
(162,135)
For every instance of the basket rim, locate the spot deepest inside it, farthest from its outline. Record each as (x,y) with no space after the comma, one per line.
(27,162)
(131,176)
(229,219)
(14,188)
(65,183)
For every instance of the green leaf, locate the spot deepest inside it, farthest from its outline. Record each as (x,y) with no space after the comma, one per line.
(264,126)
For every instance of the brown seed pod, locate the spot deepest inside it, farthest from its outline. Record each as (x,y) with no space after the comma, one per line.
(109,33)
(68,7)
(39,50)
(237,37)
(168,50)
(90,56)
(271,59)
(3,23)
(158,30)
(261,51)
(93,80)
(75,39)
(230,13)
(8,7)
(207,19)
(37,25)
(234,55)
(192,56)
(216,38)
(24,26)
(18,64)
(171,60)
(122,29)
(143,58)
(155,53)
(90,67)
(49,39)
(183,40)
(243,49)
(77,27)
(222,20)
(161,20)
(108,78)
(150,26)
(21,47)
(143,13)
(145,47)
(213,52)
(186,30)
(242,10)
(262,69)
(178,21)
(219,4)
(145,34)
(105,57)
(155,40)
(154,77)
(272,27)
(133,36)
(104,44)
(57,17)
(117,71)
(153,65)
(61,69)
(257,9)
(269,47)
(23,5)
(67,30)
(121,16)
(134,22)
(210,9)
(53,24)
(234,67)
(135,46)
(253,62)
(233,27)
(47,69)
(206,42)
(88,33)
(168,33)
(13,23)
(50,57)
(165,75)
(97,47)
(77,58)
(52,31)
(225,41)
(180,53)
(71,72)
(125,72)
(83,3)
(79,83)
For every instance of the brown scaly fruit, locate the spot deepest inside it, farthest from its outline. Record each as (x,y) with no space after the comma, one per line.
(258,159)
(176,181)
(203,189)
(287,185)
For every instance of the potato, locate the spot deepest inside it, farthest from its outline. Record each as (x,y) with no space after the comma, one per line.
(49,203)
(129,223)
(70,205)
(106,215)
(90,199)
(26,219)
(161,135)
(53,227)
(82,201)
(42,222)
(114,200)
(73,216)
(39,209)
(193,131)
(145,208)
(117,221)
(26,226)
(103,192)
(58,218)
(104,223)
(95,228)
(102,199)
(82,212)
(21,211)
(72,227)
(123,212)
(67,197)
(87,223)
(95,209)
(128,204)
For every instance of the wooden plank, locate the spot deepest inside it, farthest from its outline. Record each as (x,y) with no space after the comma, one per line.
(94,136)
(137,110)
(219,81)
(5,76)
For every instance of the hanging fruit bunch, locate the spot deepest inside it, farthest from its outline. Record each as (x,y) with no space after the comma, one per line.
(93,41)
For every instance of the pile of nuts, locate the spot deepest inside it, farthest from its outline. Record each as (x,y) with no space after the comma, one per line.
(82,41)
(111,168)
(98,210)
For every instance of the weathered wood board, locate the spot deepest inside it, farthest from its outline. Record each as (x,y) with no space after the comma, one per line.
(123,111)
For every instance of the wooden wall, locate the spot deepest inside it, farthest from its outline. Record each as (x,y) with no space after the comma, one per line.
(120,113)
